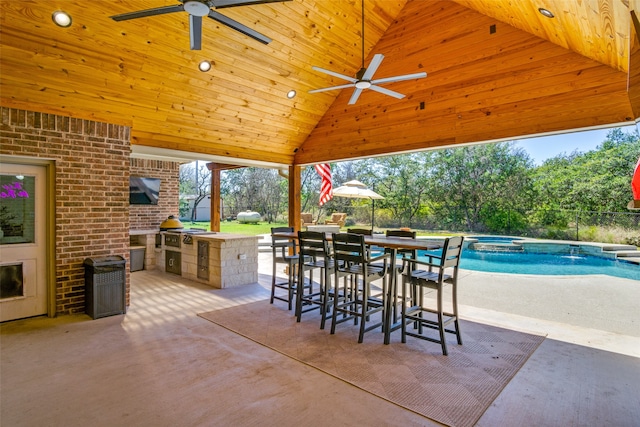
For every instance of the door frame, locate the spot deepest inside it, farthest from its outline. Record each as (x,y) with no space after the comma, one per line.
(50,221)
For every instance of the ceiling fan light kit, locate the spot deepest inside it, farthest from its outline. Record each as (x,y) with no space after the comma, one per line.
(364,77)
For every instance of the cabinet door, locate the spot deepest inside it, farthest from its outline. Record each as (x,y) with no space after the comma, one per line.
(173,261)
(203,260)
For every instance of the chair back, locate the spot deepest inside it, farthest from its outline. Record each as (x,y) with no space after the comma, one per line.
(313,245)
(362,231)
(407,234)
(401,233)
(349,249)
(451,252)
(338,218)
(306,218)
(283,243)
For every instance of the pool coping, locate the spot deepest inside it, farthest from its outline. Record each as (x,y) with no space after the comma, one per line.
(614,251)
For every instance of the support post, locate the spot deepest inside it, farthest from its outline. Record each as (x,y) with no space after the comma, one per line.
(215,169)
(295,174)
(215,200)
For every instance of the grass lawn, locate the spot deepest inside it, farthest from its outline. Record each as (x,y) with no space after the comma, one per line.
(265,228)
(237,228)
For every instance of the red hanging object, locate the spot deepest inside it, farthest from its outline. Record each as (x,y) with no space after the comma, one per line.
(324,170)
(635,182)
(635,188)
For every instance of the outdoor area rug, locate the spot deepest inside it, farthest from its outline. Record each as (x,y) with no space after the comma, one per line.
(453,390)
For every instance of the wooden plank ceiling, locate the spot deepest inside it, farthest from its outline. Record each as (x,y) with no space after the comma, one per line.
(496,69)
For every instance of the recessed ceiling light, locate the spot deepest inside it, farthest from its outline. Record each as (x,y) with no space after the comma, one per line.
(204,66)
(291,94)
(546,12)
(61,19)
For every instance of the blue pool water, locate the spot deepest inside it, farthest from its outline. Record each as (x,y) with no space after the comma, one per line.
(545,264)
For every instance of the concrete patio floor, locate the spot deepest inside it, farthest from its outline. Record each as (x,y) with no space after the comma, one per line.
(162,365)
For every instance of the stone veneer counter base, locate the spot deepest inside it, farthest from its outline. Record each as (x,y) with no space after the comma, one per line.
(230,259)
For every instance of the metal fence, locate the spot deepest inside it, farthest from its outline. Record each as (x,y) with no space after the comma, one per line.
(560,224)
(564,224)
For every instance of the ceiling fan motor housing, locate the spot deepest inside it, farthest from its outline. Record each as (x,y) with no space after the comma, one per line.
(196,8)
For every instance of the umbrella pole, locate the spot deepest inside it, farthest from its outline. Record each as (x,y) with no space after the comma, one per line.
(373,213)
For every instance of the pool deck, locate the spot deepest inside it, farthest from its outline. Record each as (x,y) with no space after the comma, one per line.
(597,311)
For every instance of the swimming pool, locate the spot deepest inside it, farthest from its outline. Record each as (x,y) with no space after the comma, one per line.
(545,264)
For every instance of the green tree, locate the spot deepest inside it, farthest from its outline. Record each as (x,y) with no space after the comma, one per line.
(403,182)
(472,187)
(597,180)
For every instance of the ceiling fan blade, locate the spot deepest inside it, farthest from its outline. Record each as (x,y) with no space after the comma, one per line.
(355,96)
(220,4)
(195,32)
(334,74)
(148,12)
(399,78)
(373,66)
(386,91)
(331,88)
(239,27)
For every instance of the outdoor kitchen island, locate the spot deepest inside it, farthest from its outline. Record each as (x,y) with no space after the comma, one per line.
(220,260)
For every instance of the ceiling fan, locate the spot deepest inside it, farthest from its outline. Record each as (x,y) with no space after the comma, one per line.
(364,77)
(196,10)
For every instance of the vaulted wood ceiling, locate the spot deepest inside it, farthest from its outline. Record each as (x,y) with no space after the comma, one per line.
(497,69)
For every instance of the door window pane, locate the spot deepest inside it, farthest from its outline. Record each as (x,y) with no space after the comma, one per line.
(17,209)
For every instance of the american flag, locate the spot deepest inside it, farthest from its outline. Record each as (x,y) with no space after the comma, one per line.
(324,170)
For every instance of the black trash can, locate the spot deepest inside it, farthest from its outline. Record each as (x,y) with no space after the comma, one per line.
(105,286)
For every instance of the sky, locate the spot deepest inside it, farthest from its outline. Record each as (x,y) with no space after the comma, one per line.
(543,148)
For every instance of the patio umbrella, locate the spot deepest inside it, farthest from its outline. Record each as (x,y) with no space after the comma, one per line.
(357,190)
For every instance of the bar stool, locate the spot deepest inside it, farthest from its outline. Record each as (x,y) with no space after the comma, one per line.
(284,251)
(405,253)
(356,301)
(316,255)
(434,277)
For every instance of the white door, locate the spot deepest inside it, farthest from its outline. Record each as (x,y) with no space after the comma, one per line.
(23,274)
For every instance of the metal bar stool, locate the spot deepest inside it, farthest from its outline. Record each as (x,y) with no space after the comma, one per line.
(355,301)
(315,254)
(434,277)
(284,251)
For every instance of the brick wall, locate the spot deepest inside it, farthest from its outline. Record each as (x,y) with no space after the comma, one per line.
(148,217)
(93,216)
(91,190)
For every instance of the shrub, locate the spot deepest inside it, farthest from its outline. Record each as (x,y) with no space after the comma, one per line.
(634,240)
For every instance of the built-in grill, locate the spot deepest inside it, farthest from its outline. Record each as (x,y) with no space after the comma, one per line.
(172,238)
